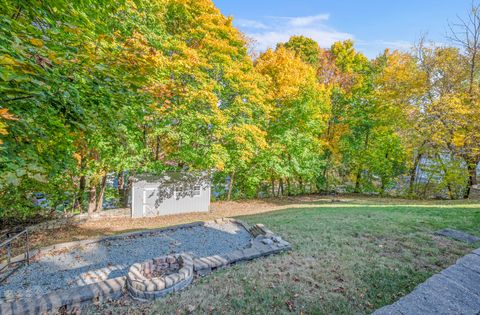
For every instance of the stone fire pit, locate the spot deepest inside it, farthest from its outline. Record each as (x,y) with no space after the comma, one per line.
(79,267)
(157,277)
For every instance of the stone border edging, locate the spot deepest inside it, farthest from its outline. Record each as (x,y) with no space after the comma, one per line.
(67,300)
(264,243)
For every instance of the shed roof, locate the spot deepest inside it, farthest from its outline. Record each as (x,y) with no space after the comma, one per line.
(173,177)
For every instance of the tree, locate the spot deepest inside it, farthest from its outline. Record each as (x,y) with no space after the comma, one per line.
(401,87)
(71,96)
(306,48)
(466,34)
(299,111)
(209,107)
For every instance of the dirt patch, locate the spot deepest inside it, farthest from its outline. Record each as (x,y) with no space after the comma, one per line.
(114,225)
(222,209)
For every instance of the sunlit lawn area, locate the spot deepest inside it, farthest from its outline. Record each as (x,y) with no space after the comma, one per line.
(347,258)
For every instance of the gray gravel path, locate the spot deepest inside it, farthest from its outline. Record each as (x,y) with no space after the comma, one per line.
(111,258)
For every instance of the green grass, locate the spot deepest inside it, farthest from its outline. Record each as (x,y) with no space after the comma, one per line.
(347,258)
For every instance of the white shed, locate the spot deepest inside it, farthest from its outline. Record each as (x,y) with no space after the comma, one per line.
(171,193)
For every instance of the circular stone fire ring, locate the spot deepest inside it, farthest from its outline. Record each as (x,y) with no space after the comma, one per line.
(157,277)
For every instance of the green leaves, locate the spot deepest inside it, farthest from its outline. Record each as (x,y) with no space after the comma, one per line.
(92,87)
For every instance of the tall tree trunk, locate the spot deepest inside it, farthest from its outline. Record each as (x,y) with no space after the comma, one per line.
(81,185)
(280,187)
(157,148)
(121,181)
(413,174)
(145,141)
(300,182)
(288,187)
(230,186)
(325,172)
(325,178)
(359,171)
(127,190)
(357,181)
(382,187)
(273,187)
(81,192)
(450,191)
(103,185)
(92,199)
(472,178)
(121,187)
(445,170)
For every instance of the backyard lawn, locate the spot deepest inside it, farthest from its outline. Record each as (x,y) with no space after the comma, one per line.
(161,106)
(348,257)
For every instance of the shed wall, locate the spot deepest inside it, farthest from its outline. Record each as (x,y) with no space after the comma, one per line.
(155,199)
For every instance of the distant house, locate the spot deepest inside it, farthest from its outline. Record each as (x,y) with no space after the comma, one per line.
(171,193)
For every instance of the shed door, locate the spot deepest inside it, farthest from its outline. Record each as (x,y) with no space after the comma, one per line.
(150,197)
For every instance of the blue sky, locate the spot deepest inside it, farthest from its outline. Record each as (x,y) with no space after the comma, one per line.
(373,24)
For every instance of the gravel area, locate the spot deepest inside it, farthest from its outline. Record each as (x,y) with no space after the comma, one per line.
(66,268)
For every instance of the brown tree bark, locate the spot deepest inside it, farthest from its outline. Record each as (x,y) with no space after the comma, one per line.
(121,186)
(230,186)
(126,191)
(92,199)
(360,168)
(413,174)
(157,148)
(325,177)
(357,181)
(121,182)
(273,187)
(445,170)
(101,193)
(81,185)
(280,188)
(81,192)
(472,178)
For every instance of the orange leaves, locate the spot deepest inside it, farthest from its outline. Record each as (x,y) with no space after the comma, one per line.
(36,42)
(138,54)
(161,91)
(5,115)
(77,157)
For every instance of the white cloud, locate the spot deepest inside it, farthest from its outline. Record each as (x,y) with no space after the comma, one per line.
(273,30)
(375,47)
(325,38)
(250,24)
(308,20)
